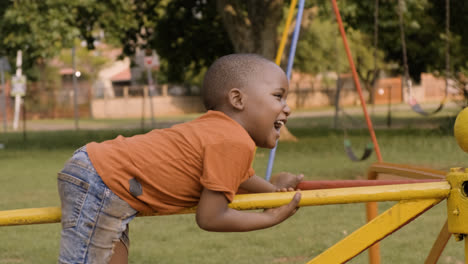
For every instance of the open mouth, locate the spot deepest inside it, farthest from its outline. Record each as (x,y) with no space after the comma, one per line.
(279,124)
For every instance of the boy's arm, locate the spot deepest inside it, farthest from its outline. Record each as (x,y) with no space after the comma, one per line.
(255,184)
(280,182)
(213,214)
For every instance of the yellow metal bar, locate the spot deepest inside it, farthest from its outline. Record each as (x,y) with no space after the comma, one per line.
(457,202)
(382,226)
(30,216)
(439,245)
(345,195)
(270,200)
(285,32)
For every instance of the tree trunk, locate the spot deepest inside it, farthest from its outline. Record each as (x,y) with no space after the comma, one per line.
(252,27)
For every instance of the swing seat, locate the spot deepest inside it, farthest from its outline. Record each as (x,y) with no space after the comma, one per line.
(349,151)
(418,109)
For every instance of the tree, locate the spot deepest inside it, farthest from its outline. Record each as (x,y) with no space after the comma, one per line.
(39,28)
(424,24)
(190,35)
(252,27)
(42,29)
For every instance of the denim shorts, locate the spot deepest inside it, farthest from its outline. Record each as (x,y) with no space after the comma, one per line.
(93,217)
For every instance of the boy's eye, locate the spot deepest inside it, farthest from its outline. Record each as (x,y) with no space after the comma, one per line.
(279,96)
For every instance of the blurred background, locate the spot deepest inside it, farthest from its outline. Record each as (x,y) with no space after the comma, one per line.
(119,59)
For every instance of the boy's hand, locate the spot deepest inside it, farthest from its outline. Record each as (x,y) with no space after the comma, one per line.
(214,214)
(283,212)
(285,181)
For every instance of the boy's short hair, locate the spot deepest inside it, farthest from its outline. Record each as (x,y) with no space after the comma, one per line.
(227,72)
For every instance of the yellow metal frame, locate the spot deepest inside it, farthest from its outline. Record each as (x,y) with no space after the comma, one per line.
(412,172)
(412,201)
(438,190)
(374,231)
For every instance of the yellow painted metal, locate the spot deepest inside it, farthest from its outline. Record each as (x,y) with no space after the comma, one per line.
(345,195)
(406,171)
(30,216)
(285,32)
(466,250)
(377,229)
(270,200)
(457,202)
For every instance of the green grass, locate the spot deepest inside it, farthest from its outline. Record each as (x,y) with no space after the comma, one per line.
(28,179)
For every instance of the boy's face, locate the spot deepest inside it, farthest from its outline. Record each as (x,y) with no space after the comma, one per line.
(266,110)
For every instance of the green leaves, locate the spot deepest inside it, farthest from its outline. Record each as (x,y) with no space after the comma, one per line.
(39,28)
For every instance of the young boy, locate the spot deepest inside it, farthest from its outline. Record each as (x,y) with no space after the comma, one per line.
(200,163)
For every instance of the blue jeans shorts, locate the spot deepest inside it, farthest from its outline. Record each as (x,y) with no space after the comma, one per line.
(94,219)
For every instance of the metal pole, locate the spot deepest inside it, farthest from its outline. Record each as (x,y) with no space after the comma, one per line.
(143,109)
(356,82)
(447,46)
(374,252)
(376,45)
(3,99)
(466,249)
(150,93)
(389,112)
(279,54)
(75,89)
(288,74)
(412,193)
(337,99)
(338,83)
(24,119)
(407,79)
(19,61)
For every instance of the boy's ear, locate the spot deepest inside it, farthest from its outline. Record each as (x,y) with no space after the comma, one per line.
(236,98)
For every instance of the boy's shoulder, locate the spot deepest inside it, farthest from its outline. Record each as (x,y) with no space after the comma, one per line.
(215,119)
(219,127)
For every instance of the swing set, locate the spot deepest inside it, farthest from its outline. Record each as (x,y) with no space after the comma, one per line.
(413,103)
(415,106)
(421,190)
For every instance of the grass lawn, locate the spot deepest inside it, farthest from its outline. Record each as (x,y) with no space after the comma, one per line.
(28,179)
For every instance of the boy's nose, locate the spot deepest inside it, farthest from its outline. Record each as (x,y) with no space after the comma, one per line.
(287,110)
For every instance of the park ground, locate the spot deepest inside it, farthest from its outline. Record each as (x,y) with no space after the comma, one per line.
(29,163)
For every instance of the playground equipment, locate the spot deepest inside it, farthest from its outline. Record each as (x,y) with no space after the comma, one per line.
(347,141)
(414,197)
(415,106)
(461,129)
(340,111)
(356,84)
(292,52)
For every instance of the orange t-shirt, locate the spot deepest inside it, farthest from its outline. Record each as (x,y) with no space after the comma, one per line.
(173,165)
